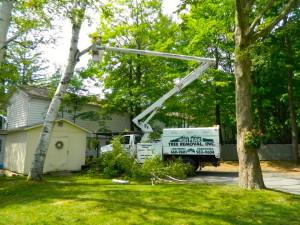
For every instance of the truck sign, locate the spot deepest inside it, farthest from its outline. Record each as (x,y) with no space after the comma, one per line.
(191,141)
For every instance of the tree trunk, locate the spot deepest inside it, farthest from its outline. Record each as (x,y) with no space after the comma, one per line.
(36,170)
(293,117)
(290,73)
(260,113)
(250,175)
(5,18)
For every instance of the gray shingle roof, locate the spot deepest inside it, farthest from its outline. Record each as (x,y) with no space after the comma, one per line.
(36,92)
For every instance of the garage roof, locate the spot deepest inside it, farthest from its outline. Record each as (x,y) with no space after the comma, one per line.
(24,128)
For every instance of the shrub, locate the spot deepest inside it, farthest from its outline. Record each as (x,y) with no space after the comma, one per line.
(254,138)
(175,167)
(114,164)
(119,163)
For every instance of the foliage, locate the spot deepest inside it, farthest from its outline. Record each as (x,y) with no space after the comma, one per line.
(119,163)
(92,143)
(208,27)
(128,78)
(253,138)
(87,200)
(269,75)
(175,167)
(114,164)
(22,63)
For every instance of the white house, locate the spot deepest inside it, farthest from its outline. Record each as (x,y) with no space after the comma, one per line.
(2,147)
(28,107)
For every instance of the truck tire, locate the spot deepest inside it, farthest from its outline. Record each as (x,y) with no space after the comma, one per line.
(191,160)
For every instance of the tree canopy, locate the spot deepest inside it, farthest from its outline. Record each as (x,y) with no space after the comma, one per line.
(252,85)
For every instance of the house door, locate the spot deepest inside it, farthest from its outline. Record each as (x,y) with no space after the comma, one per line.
(57,156)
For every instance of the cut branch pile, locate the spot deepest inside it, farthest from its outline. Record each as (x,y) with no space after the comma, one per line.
(170,179)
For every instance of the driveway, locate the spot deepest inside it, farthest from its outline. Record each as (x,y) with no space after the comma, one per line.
(280,181)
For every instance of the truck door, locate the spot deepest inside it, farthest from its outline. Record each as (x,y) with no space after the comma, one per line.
(125,141)
(137,139)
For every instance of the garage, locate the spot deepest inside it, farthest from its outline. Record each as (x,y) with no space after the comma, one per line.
(66,150)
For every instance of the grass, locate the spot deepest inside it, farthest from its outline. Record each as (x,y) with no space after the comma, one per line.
(84,200)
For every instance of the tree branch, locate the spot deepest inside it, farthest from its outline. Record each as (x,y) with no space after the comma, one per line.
(250,3)
(84,51)
(268,28)
(240,13)
(81,53)
(259,16)
(11,39)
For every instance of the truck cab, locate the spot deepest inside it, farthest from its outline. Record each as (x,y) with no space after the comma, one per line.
(129,143)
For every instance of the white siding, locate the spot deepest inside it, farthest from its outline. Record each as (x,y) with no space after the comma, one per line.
(24,111)
(17,110)
(15,151)
(37,111)
(2,148)
(116,123)
(119,123)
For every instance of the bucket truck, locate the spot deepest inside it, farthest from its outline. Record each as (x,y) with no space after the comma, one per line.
(194,145)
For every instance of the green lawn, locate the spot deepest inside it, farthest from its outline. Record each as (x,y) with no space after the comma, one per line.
(83,200)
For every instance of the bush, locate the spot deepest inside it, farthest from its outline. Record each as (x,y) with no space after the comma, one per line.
(114,164)
(175,167)
(118,163)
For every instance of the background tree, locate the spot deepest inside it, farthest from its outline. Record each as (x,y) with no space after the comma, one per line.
(291,66)
(208,26)
(133,82)
(5,18)
(273,74)
(21,62)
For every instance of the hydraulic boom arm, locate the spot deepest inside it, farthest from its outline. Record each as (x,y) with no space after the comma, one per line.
(144,125)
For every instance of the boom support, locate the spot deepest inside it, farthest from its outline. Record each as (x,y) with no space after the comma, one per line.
(144,125)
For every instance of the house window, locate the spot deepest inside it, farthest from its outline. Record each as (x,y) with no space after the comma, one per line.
(0,145)
(60,124)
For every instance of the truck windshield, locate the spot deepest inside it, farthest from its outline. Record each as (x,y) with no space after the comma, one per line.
(125,140)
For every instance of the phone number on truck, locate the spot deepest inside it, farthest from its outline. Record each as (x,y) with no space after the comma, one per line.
(202,151)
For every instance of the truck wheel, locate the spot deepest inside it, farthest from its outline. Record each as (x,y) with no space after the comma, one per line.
(191,161)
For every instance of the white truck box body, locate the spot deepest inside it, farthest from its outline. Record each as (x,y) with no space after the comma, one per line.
(183,141)
(202,131)
(191,141)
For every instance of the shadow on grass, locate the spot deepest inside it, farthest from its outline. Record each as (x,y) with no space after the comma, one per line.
(165,202)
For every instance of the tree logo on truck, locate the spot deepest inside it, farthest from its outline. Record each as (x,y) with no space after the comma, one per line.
(192,141)
(190,150)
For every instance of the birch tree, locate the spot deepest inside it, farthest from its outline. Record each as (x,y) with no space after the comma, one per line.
(5,18)
(76,14)
(250,28)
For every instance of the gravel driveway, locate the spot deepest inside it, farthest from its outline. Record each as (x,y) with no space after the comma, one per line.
(286,182)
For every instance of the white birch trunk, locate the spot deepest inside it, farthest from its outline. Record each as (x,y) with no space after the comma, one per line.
(36,170)
(5,18)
